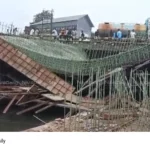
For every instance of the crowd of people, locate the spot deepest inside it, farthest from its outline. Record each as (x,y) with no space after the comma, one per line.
(118,34)
(62,34)
(67,34)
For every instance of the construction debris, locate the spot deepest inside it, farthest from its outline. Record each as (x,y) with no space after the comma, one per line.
(94,82)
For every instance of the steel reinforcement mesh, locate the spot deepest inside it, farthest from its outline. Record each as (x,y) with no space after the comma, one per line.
(108,105)
(117,104)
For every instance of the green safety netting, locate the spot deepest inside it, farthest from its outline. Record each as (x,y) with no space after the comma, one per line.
(72,59)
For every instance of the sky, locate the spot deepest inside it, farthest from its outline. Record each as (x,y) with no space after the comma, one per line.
(21,12)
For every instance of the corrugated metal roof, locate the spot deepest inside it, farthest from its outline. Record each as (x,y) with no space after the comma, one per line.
(65,19)
(70,18)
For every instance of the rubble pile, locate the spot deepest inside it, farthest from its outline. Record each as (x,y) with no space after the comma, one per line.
(75,124)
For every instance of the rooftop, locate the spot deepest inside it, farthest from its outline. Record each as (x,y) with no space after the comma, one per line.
(65,19)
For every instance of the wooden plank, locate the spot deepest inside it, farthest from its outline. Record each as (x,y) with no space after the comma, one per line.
(31,101)
(32,88)
(32,108)
(72,98)
(13,93)
(78,107)
(53,97)
(25,88)
(21,98)
(81,100)
(44,108)
(67,105)
(10,103)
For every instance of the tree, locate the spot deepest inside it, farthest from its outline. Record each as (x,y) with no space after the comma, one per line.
(45,14)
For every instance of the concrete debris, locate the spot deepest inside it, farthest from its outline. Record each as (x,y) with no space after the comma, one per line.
(70,124)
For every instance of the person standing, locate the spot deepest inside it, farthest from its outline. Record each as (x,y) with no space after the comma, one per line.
(32,32)
(132,34)
(14,31)
(119,34)
(54,34)
(96,34)
(114,35)
(37,32)
(62,34)
(82,35)
(74,34)
(69,35)
(129,34)
(7,31)
(111,34)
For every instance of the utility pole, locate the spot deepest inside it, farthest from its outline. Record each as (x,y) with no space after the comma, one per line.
(11,28)
(42,21)
(148,28)
(52,11)
(2,27)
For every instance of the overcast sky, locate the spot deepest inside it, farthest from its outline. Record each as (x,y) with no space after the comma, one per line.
(21,12)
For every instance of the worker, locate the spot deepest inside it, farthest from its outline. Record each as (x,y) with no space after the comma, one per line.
(62,34)
(54,34)
(7,31)
(69,35)
(37,32)
(27,30)
(82,35)
(119,34)
(96,34)
(132,34)
(115,35)
(129,34)
(14,31)
(32,32)
(111,33)
(66,32)
(74,34)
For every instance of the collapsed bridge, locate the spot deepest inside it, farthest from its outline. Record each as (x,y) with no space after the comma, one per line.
(62,58)
(62,74)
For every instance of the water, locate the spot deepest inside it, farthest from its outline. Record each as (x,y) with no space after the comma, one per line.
(10,122)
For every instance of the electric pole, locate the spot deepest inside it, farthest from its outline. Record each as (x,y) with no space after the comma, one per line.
(42,20)
(148,28)
(52,13)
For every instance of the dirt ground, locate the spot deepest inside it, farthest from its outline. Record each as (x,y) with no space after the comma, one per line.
(80,123)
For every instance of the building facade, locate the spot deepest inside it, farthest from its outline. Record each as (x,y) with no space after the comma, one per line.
(78,23)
